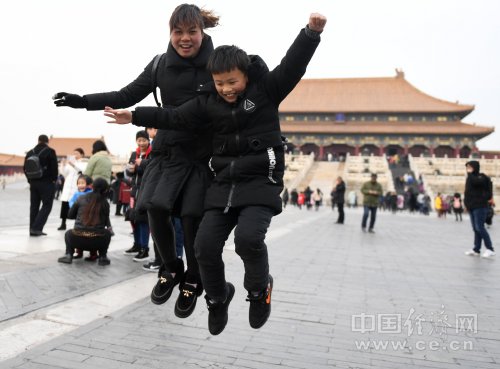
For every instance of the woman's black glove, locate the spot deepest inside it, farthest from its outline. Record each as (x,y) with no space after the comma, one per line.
(71,100)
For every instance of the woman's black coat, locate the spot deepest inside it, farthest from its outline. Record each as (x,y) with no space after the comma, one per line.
(177,173)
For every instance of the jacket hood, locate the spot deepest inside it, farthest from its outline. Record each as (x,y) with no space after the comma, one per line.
(257,68)
(475,165)
(200,60)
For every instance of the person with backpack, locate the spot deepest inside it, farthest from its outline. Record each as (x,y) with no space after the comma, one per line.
(41,170)
(478,194)
(178,175)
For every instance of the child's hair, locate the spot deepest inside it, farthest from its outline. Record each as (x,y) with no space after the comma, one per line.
(80,150)
(225,58)
(96,207)
(188,14)
(88,180)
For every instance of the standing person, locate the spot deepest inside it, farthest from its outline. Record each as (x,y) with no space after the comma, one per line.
(178,175)
(91,214)
(115,188)
(40,168)
(136,166)
(285,196)
(294,196)
(457,206)
(317,197)
(339,199)
(249,163)
(308,193)
(478,194)
(71,169)
(371,191)
(4,183)
(438,205)
(99,165)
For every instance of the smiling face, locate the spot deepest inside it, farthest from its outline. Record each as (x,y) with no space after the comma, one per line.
(142,143)
(230,84)
(81,184)
(186,40)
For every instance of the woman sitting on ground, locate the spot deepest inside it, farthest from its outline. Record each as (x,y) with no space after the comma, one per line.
(91,212)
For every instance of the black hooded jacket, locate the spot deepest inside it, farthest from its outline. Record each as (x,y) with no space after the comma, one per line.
(248,155)
(478,188)
(48,161)
(178,159)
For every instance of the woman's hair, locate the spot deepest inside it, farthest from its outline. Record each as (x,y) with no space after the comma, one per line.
(226,58)
(80,150)
(88,180)
(95,210)
(189,14)
(99,145)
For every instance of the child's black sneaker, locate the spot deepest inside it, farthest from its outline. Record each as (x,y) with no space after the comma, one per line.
(217,311)
(186,302)
(166,283)
(142,255)
(260,305)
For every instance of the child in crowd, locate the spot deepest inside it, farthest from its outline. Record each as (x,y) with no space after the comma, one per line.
(241,109)
(83,185)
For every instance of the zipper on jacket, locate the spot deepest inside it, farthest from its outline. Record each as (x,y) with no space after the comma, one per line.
(237,138)
(231,191)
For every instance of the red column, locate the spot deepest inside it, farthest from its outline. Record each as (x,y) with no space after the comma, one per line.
(431,150)
(321,152)
(356,150)
(381,150)
(406,149)
(457,151)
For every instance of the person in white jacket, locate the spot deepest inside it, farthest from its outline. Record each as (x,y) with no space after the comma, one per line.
(71,169)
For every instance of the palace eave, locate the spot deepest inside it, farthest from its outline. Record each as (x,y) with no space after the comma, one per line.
(366,95)
(391,128)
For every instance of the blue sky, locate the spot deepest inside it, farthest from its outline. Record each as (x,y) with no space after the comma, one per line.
(447,48)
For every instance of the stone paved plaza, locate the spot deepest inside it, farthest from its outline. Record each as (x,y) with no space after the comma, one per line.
(404,297)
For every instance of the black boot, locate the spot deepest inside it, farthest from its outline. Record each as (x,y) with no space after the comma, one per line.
(62,227)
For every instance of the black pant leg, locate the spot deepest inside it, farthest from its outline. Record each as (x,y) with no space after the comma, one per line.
(35,200)
(162,232)
(340,208)
(46,193)
(373,216)
(249,236)
(213,232)
(190,226)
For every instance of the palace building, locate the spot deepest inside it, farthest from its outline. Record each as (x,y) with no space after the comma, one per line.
(375,116)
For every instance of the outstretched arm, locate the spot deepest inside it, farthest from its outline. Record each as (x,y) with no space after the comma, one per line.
(187,117)
(282,80)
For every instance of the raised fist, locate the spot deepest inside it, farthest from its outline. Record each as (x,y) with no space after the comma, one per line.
(317,22)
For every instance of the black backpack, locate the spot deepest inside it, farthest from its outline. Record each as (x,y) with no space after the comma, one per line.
(32,167)
(154,73)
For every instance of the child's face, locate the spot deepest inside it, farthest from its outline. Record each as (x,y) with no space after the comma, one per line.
(186,40)
(142,143)
(230,84)
(81,184)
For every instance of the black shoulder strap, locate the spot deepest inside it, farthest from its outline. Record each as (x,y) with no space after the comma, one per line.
(154,72)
